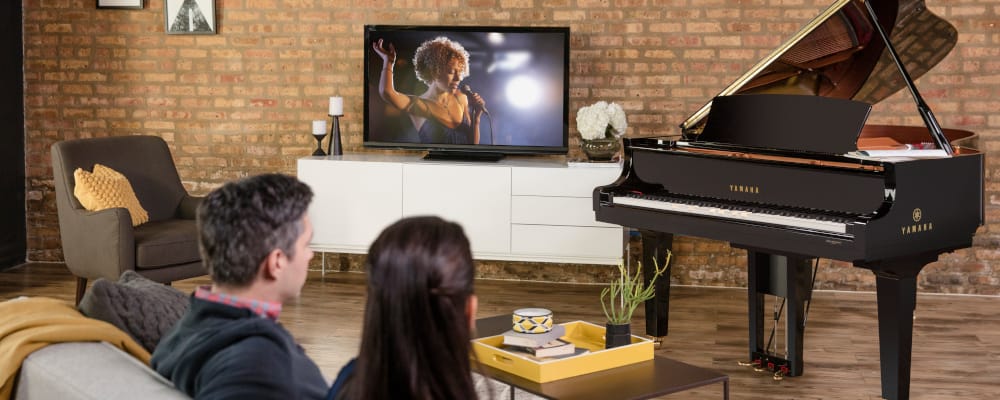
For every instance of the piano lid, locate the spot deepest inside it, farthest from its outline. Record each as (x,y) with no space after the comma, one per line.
(839,55)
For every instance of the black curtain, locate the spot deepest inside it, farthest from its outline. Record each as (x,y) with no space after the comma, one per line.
(13,234)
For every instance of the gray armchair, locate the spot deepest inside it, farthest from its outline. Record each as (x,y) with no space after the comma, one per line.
(103,244)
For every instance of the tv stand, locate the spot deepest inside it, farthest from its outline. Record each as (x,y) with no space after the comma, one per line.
(513,210)
(463,155)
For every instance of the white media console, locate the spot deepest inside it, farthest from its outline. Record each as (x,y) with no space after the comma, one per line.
(516,209)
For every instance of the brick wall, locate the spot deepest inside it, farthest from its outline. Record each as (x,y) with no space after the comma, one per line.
(240,102)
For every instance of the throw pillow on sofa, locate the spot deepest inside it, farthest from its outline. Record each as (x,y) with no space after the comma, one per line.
(143,308)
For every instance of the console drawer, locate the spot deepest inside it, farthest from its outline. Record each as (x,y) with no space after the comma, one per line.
(574,241)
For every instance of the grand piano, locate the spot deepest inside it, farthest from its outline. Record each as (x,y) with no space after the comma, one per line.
(782,163)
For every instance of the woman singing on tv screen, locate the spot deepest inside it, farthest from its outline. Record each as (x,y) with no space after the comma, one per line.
(442,113)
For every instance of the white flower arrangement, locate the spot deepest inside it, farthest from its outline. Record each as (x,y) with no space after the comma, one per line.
(594,120)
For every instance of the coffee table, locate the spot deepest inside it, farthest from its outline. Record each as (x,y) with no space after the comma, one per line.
(657,377)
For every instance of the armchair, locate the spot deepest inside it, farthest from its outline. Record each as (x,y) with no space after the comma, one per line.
(104,244)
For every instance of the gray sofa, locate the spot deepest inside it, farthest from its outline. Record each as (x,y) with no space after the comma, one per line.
(143,309)
(89,371)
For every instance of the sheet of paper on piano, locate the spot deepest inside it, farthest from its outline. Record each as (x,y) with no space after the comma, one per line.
(902,154)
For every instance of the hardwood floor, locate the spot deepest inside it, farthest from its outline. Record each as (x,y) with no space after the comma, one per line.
(956,338)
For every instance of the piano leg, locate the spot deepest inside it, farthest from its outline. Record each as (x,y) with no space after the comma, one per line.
(654,252)
(897,296)
(783,276)
(896,292)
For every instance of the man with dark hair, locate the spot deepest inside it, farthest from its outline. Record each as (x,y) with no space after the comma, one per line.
(254,236)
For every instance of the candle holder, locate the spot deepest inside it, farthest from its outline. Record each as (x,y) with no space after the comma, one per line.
(334,148)
(319,144)
(318,132)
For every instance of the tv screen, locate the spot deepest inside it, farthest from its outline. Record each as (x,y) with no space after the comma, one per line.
(500,90)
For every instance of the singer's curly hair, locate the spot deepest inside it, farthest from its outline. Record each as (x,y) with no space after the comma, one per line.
(435,55)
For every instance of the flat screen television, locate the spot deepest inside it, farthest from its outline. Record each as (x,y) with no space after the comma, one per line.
(521,75)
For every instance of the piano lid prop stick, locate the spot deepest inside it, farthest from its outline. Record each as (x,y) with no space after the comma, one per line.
(922,107)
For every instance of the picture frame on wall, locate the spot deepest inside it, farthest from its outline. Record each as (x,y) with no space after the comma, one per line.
(189,17)
(125,4)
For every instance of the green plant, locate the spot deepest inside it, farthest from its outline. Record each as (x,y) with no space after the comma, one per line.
(627,292)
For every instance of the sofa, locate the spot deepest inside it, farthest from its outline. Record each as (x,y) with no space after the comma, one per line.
(89,370)
(94,352)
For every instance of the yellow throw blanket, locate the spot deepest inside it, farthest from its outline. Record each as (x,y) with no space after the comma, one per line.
(29,324)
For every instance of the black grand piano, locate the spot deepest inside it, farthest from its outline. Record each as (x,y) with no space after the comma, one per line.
(783,164)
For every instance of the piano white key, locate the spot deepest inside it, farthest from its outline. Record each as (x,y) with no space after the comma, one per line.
(742,215)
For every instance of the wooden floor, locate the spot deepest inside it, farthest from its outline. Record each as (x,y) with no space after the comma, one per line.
(956,338)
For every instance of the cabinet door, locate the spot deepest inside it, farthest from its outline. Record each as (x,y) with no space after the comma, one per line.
(475,196)
(353,201)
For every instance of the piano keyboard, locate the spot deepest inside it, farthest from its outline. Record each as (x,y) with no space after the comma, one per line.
(737,212)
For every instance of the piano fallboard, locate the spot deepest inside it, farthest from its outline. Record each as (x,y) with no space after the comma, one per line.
(767,182)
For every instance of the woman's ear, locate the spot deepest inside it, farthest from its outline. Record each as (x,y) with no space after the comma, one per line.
(471,306)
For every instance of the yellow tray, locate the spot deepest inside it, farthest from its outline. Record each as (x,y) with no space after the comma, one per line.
(581,334)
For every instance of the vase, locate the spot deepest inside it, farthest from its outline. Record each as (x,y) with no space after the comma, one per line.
(602,149)
(617,335)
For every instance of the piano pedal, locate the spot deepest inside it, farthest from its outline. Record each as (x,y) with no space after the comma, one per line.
(745,363)
(781,372)
(657,342)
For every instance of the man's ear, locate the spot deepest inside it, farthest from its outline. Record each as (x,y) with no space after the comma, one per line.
(273,264)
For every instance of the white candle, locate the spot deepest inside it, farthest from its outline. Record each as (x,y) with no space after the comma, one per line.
(319,127)
(336,106)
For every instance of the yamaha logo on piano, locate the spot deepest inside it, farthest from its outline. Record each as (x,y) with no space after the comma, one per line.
(744,189)
(917,228)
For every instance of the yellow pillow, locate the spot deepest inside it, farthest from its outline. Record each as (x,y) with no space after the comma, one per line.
(106,188)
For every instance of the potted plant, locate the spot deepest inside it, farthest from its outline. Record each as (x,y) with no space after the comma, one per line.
(622,297)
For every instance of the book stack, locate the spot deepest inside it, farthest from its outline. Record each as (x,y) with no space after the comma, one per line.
(540,345)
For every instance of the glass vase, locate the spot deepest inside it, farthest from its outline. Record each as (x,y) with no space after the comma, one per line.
(602,149)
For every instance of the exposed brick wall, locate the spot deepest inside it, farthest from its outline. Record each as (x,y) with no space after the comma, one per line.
(240,102)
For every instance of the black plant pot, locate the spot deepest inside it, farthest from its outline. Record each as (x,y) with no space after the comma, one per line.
(617,335)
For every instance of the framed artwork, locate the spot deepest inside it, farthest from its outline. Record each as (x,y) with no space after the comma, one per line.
(133,4)
(189,17)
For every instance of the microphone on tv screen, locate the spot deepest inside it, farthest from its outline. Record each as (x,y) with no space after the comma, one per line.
(468,91)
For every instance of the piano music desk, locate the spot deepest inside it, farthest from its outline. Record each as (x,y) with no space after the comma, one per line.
(657,377)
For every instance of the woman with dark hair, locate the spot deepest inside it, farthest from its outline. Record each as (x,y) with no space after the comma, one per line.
(442,113)
(419,316)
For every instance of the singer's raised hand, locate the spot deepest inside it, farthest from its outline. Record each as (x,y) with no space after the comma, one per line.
(388,54)
(386,88)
